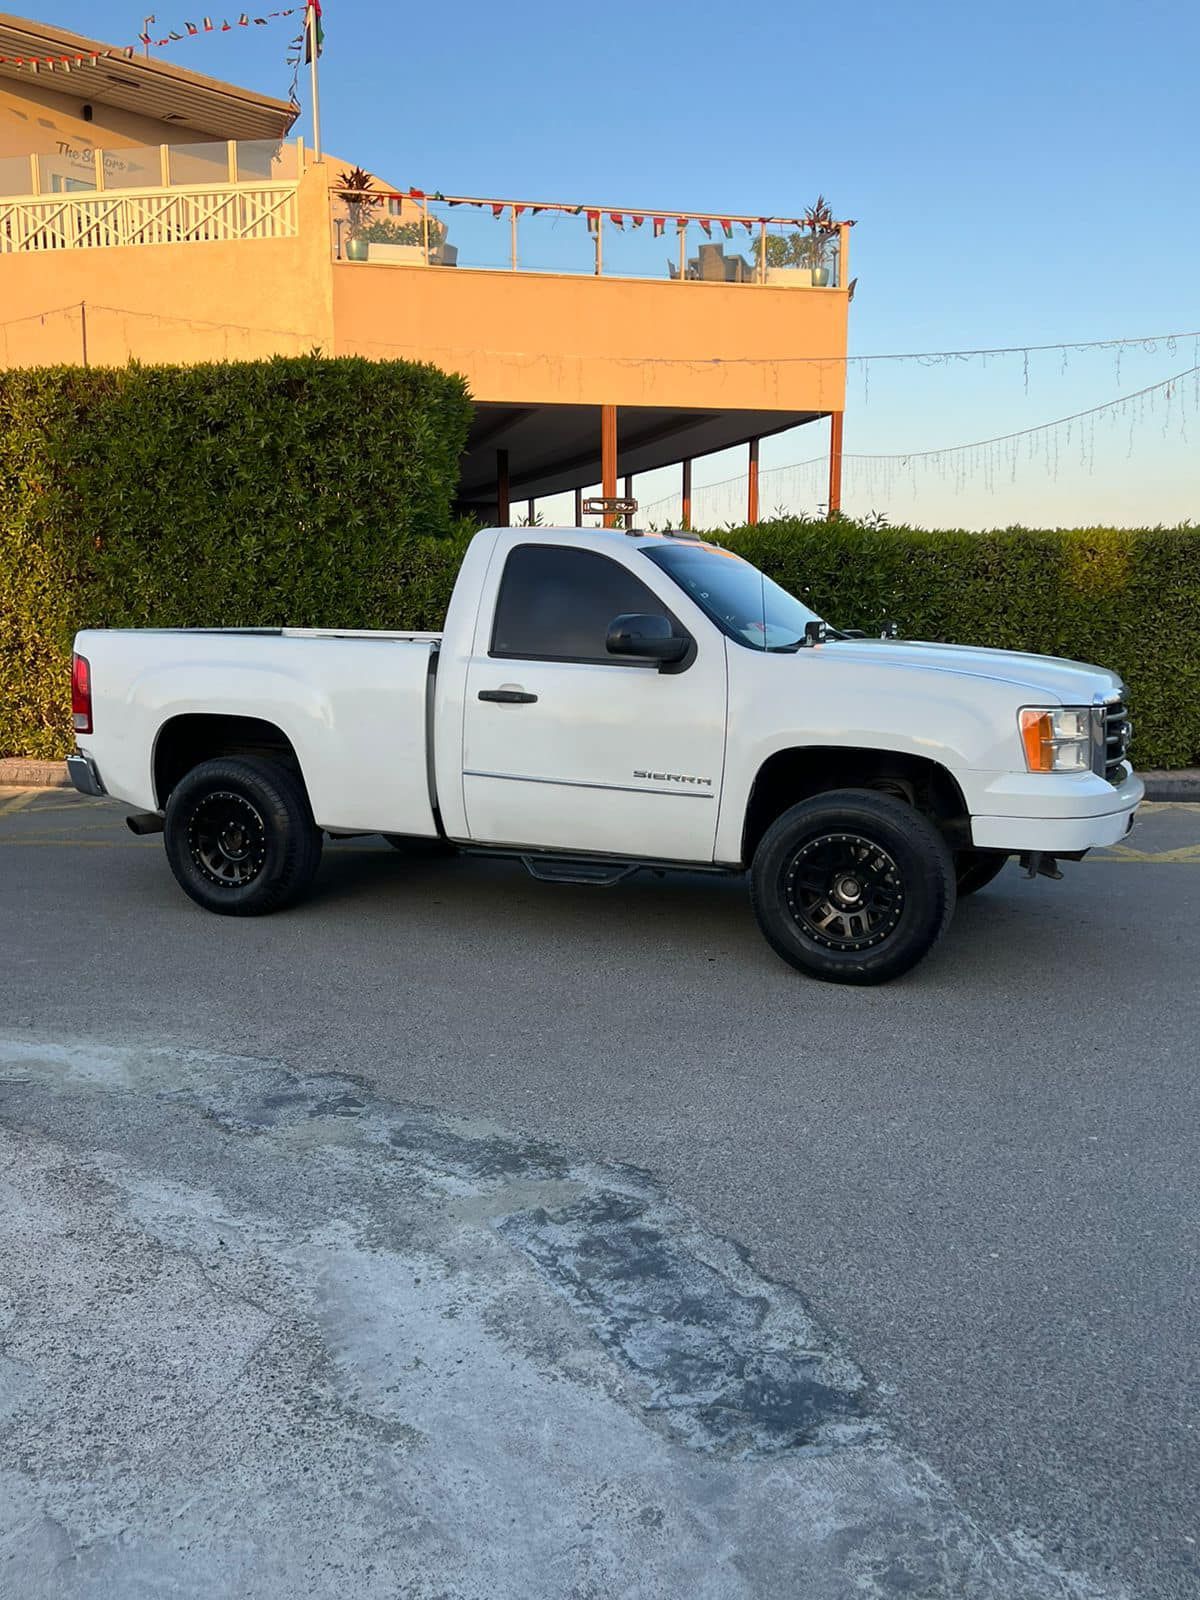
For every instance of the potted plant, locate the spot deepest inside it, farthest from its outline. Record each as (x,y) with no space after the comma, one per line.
(360,201)
(801,258)
(404,242)
(822,231)
(787,263)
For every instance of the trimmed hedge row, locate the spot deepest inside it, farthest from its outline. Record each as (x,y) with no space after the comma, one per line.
(292,491)
(318,492)
(1125,598)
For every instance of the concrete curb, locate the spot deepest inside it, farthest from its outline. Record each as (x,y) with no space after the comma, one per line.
(16,772)
(1181,785)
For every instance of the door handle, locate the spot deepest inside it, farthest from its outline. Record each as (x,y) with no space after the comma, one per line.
(508,697)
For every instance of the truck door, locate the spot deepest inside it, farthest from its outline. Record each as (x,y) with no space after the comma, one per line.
(567,747)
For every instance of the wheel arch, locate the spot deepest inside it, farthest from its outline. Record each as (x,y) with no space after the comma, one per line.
(798,772)
(189,738)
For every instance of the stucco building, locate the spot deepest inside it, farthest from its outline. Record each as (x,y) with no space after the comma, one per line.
(148,211)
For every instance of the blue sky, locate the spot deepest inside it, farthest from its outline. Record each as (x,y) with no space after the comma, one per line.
(1022,173)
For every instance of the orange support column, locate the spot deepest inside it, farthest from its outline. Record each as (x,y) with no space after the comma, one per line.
(752,485)
(687,496)
(608,458)
(502,502)
(836,419)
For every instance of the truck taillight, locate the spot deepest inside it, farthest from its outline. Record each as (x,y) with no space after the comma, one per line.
(81,694)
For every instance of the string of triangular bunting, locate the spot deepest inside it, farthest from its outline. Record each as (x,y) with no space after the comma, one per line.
(635,219)
(60,62)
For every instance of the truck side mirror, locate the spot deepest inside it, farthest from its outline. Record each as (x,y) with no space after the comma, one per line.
(650,638)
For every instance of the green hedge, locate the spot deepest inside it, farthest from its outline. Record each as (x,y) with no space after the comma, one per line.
(318,493)
(293,491)
(1126,598)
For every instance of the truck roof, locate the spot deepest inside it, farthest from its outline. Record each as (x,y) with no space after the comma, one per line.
(638,535)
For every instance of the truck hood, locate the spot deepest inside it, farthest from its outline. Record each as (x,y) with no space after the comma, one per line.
(1044,678)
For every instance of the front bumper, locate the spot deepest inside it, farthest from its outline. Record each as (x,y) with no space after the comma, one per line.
(85,775)
(1103,815)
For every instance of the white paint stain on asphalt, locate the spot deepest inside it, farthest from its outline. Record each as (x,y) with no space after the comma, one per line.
(267,1333)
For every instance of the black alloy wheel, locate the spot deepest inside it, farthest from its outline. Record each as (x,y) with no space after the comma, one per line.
(240,836)
(853,886)
(845,890)
(227,839)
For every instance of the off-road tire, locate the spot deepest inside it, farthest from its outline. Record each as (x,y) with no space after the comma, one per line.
(852,886)
(240,836)
(975,869)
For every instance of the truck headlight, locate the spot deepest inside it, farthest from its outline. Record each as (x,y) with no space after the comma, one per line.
(1058,739)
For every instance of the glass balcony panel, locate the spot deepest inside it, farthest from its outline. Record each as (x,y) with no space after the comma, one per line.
(137,168)
(266,161)
(198,164)
(15,175)
(485,236)
(67,171)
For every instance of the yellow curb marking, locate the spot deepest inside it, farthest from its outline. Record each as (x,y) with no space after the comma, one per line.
(1122,852)
(77,844)
(18,802)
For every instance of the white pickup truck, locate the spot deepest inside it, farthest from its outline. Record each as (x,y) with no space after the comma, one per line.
(602,701)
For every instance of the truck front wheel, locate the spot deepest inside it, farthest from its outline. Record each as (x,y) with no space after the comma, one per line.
(975,869)
(240,836)
(852,886)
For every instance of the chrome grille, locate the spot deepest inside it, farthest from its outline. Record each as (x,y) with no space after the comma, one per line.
(1118,731)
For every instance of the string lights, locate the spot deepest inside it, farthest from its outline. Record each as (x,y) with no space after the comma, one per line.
(868,476)
(803,483)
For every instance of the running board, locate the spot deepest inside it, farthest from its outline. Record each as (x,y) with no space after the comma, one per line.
(601,874)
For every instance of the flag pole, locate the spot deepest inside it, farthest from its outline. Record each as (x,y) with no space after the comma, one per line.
(313,52)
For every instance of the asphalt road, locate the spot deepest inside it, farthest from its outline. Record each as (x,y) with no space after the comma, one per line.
(975,1188)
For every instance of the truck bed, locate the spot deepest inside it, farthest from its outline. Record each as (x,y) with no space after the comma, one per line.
(353,704)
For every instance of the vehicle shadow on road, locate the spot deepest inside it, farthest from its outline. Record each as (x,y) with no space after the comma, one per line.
(1009,932)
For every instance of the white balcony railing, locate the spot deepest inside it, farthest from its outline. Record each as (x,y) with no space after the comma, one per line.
(162,216)
(80,198)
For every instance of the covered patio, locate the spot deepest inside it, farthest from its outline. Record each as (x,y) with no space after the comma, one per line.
(520,453)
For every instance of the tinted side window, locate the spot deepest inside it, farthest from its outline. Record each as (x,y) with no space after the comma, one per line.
(556,604)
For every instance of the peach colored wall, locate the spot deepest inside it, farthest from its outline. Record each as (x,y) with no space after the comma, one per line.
(515,337)
(33,118)
(585,340)
(276,294)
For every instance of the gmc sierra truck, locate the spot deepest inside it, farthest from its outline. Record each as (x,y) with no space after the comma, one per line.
(602,701)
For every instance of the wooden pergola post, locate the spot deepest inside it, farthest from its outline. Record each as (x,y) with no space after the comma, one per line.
(752,485)
(608,458)
(629,496)
(579,508)
(836,419)
(686,515)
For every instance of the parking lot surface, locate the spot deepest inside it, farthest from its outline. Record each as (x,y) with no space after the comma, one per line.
(456,1234)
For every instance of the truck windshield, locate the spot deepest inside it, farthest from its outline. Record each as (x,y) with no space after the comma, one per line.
(741,600)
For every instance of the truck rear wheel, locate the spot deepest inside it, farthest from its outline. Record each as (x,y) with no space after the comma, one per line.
(852,886)
(240,836)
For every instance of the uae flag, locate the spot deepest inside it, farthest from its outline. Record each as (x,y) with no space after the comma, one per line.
(314,32)
(660,226)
